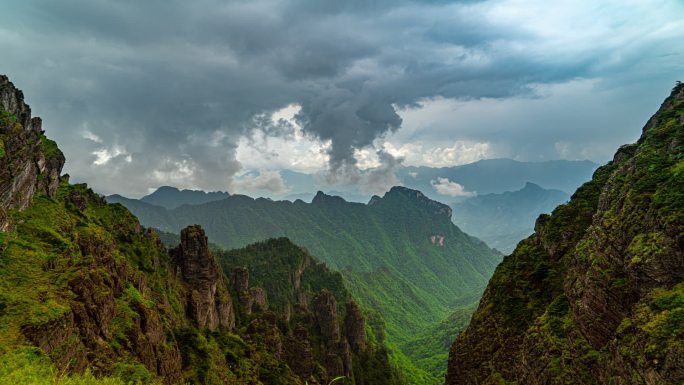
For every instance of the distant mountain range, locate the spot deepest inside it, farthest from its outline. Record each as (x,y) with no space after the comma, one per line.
(171,197)
(400,254)
(500,175)
(489,176)
(499,219)
(502,220)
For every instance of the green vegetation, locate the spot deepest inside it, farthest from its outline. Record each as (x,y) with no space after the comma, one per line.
(288,273)
(61,259)
(334,380)
(596,294)
(656,328)
(49,147)
(8,123)
(271,265)
(51,247)
(438,339)
(384,251)
(28,366)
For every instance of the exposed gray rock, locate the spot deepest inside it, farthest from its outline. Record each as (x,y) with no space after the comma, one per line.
(208,300)
(29,162)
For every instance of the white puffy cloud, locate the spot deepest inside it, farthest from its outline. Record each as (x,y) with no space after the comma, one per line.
(446,187)
(91,137)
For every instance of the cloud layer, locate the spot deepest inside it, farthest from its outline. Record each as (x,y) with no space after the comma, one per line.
(141,94)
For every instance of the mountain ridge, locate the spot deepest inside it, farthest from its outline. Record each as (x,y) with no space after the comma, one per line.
(596,294)
(483,176)
(172,197)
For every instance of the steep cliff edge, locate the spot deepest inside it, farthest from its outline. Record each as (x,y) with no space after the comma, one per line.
(595,295)
(303,311)
(208,300)
(29,162)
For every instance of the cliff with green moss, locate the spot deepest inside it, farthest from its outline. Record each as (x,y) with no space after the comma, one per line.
(89,296)
(30,163)
(596,294)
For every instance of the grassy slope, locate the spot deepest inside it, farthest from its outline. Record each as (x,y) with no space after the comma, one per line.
(39,258)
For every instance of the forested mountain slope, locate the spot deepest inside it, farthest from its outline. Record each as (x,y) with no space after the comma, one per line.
(400,254)
(595,295)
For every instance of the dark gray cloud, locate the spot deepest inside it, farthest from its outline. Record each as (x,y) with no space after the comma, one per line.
(159,92)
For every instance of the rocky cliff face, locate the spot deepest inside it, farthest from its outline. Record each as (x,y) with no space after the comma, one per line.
(595,296)
(337,355)
(88,308)
(310,320)
(355,327)
(208,301)
(251,299)
(29,162)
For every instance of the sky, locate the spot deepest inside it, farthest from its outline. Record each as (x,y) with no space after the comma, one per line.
(200,94)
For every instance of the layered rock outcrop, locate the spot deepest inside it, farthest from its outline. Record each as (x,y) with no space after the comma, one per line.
(596,295)
(299,354)
(29,162)
(355,327)
(209,303)
(105,289)
(338,356)
(322,329)
(251,299)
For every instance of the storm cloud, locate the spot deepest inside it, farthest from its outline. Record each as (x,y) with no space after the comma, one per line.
(140,94)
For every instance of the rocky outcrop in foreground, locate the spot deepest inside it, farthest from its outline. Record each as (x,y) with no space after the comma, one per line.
(596,294)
